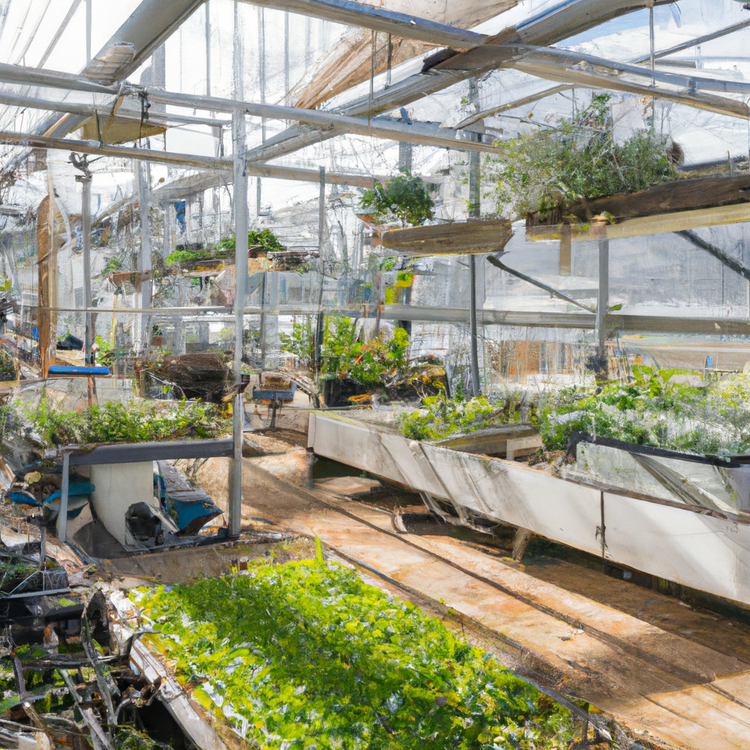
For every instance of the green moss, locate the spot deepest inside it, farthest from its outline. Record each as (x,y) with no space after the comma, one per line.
(305,655)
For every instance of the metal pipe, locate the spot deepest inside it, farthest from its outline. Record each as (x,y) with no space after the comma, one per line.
(378,19)
(476,385)
(178,159)
(105,110)
(85,181)
(554,292)
(62,517)
(60,31)
(376,128)
(320,319)
(241,230)
(474,213)
(144,264)
(602,304)
(717,252)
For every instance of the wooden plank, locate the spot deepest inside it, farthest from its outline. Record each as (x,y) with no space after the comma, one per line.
(671,222)
(458,238)
(678,195)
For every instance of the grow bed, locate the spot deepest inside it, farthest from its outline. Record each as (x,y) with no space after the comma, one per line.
(306,655)
(675,410)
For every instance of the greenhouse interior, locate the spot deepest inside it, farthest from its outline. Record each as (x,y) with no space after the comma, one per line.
(428,330)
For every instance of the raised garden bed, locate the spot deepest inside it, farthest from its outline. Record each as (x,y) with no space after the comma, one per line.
(305,655)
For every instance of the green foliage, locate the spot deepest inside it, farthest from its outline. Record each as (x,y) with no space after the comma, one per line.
(653,410)
(7,366)
(264,237)
(135,422)
(440,417)
(546,169)
(301,342)
(113,265)
(657,408)
(131,739)
(404,198)
(305,655)
(376,363)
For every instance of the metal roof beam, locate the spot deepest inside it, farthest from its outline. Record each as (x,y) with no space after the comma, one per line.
(566,87)
(428,134)
(150,24)
(377,19)
(563,20)
(182,160)
(388,128)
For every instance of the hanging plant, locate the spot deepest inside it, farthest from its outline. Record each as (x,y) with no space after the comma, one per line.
(543,171)
(404,199)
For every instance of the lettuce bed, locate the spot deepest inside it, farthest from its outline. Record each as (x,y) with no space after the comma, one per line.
(305,655)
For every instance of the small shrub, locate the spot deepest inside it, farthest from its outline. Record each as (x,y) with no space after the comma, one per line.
(404,198)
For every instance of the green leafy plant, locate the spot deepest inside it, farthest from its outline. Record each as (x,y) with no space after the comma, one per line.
(301,342)
(655,409)
(113,265)
(376,363)
(305,655)
(404,198)
(440,417)
(544,170)
(134,422)
(263,237)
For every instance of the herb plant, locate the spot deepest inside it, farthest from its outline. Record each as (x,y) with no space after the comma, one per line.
(135,422)
(305,655)
(544,170)
(440,417)
(404,198)
(263,237)
(656,408)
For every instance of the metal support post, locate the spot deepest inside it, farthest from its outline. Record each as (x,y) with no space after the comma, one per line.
(652,57)
(474,213)
(476,385)
(62,518)
(88,338)
(241,229)
(143,173)
(601,308)
(88,31)
(320,325)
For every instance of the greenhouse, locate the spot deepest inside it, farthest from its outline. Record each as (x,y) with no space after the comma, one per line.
(374,375)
